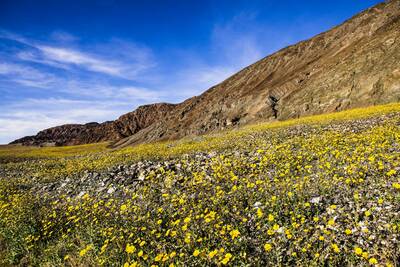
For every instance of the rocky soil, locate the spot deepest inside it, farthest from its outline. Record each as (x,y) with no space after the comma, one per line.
(118,180)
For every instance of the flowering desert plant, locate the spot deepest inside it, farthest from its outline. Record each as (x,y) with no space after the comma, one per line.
(321,190)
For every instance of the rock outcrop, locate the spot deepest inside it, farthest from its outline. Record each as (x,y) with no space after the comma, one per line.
(352,65)
(74,134)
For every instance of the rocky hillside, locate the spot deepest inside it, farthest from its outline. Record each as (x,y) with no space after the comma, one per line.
(74,134)
(354,64)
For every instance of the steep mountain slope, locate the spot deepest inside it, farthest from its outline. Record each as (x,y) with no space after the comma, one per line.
(354,64)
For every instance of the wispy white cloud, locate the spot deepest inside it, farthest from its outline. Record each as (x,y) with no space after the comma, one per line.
(63,37)
(25,75)
(106,92)
(89,62)
(137,93)
(32,56)
(117,58)
(14,127)
(13,36)
(238,41)
(208,76)
(194,81)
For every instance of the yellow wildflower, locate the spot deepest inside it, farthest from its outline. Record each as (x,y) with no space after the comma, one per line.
(391,173)
(196,253)
(335,248)
(267,247)
(358,251)
(396,185)
(159,257)
(271,217)
(234,233)
(130,248)
(212,253)
(259,213)
(85,250)
(276,227)
(373,261)
(227,258)
(124,207)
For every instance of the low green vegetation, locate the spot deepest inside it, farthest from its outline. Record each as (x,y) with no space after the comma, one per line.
(320,190)
(15,152)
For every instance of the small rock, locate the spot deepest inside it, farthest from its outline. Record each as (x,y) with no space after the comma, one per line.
(316,200)
(110,190)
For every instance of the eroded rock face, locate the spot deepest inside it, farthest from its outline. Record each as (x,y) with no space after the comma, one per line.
(74,134)
(354,64)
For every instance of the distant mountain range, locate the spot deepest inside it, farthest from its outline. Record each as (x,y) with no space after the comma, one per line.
(354,64)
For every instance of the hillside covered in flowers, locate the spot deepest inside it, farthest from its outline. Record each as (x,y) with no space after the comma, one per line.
(321,190)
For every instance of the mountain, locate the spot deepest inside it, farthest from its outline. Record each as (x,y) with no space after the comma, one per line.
(74,134)
(354,64)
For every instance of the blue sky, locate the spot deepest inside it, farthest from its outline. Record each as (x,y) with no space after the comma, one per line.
(82,61)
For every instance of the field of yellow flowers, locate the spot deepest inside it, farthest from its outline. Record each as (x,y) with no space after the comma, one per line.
(321,190)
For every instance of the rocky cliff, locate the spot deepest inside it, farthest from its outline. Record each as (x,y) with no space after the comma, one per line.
(354,64)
